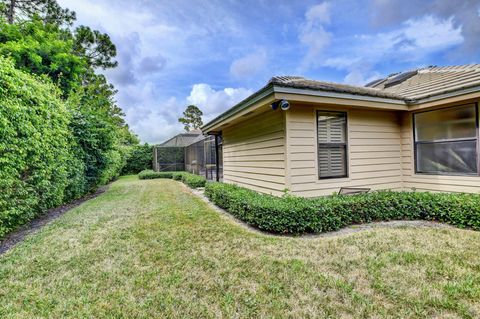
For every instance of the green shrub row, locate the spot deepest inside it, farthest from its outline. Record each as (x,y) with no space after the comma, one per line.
(51,151)
(192,180)
(34,142)
(149,174)
(296,215)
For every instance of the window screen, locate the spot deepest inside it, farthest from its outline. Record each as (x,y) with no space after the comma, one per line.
(332,144)
(446,141)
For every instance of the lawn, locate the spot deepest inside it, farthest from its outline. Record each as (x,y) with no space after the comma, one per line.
(149,248)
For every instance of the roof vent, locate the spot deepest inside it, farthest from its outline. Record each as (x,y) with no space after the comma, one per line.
(399,78)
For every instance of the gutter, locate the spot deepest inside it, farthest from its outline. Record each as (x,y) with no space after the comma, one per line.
(271,88)
(429,98)
(348,96)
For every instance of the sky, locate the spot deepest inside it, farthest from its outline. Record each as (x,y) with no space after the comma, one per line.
(215,53)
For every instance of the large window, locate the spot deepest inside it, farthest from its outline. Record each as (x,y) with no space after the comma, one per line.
(332,144)
(446,141)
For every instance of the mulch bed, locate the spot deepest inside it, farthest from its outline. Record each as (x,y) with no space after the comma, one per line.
(35,224)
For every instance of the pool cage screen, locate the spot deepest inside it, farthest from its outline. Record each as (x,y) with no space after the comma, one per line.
(198,158)
(168,158)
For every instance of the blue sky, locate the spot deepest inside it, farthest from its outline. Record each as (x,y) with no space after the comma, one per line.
(215,53)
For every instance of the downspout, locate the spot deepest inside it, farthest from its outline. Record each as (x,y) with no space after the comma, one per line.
(217,161)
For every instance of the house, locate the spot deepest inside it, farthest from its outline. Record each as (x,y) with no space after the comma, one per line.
(412,130)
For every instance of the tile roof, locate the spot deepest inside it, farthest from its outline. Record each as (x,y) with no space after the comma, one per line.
(432,81)
(302,83)
(408,86)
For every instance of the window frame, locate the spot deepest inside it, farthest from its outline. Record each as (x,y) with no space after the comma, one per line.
(476,139)
(345,145)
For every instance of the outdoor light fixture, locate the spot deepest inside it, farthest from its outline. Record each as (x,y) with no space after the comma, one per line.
(283,104)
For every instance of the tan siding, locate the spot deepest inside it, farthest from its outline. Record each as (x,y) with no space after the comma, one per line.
(277,150)
(374,151)
(435,183)
(254,153)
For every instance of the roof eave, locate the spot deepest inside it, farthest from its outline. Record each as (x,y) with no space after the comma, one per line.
(445,95)
(339,95)
(259,95)
(270,89)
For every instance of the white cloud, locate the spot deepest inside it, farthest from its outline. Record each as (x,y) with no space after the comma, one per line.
(412,42)
(319,13)
(156,121)
(213,102)
(464,15)
(313,34)
(249,65)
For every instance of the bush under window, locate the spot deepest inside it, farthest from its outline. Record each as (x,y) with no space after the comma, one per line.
(297,215)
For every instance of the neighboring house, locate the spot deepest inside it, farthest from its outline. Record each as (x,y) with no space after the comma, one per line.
(413,130)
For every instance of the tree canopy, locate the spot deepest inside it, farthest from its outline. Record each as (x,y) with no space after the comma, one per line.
(49,11)
(192,118)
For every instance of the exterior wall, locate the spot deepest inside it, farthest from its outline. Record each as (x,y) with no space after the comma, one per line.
(254,153)
(274,151)
(374,151)
(435,183)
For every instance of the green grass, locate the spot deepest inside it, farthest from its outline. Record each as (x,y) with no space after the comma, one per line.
(148,248)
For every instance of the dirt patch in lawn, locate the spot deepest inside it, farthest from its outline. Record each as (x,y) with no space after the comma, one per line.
(344,231)
(38,222)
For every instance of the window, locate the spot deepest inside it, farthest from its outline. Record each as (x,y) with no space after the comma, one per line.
(446,141)
(332,144)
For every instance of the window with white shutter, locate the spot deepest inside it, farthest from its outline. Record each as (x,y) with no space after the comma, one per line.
(332,144)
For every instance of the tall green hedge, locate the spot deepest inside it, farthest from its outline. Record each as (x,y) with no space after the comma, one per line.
(34,146)
(51,151)
(139,158)
(297,215)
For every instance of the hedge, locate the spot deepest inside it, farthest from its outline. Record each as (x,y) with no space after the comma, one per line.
(34,146)
(139,158)
(51,150)
(149,174)
(178,176)
(297,215)
(192,180)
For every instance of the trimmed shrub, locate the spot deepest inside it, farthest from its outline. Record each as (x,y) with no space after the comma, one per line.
(297,215)
(178,176)
(194,181)
(191,180)
(149,174)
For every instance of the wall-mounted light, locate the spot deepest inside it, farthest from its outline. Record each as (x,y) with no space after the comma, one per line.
(282,104)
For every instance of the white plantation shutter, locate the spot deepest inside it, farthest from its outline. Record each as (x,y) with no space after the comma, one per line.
(332,144)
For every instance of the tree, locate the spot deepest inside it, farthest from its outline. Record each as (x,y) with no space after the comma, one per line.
(96,47)
(43,49)
(49,11)
(192,118)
